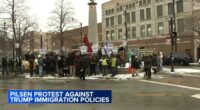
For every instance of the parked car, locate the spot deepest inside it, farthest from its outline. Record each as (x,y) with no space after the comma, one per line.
(179,58)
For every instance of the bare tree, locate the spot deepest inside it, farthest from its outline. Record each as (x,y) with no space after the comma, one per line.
(18,21)
(60,19)
(192,23)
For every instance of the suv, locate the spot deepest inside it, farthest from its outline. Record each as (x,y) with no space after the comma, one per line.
(179,58)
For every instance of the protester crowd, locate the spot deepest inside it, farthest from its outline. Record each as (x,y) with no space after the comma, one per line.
(80,65)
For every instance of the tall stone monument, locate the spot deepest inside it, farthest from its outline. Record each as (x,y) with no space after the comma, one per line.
(93,28)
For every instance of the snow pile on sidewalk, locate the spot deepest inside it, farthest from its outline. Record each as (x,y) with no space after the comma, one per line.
(123,76)
(48,77)
(181,71)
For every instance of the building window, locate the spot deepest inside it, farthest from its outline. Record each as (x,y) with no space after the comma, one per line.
(107,22)
(158,0)
(127,17)
(128,32)
(148,1)
(170,8)
(159,11)
(112,10)
(130,6)
(119,19)
(149,30)
(180,23)
(142,30)
(112,21)
(144,2)
(148,13)
(107,35)
(133,17)
(127,6)
(160,28)
(134,32)
(133,5)
(140,3)
(112,35)
(142,15)
(179,6)
(119,33)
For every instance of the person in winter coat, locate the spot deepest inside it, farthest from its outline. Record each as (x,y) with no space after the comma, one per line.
(84,64)
(93,65)
(104,63)
(19,65)
(72,67)
(135,64)
(4,65)
(60,65)
(113,64)
(31,65)
(155,63)
(147,66)
(40,65)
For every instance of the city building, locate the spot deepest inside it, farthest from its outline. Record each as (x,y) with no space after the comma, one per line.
(36,41)
(72,38)
(6,47)
(145,24)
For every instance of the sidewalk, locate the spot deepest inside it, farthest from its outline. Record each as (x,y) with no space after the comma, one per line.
(184,77)
(184,80)
(9,76)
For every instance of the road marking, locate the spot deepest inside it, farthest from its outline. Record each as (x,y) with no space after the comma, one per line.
(3,88)
(196,96)
(151,94)
(174,85)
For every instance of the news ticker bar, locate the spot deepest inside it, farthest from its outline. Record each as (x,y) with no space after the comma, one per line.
(59,96)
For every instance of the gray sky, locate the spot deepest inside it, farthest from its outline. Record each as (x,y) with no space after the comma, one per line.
(42,9)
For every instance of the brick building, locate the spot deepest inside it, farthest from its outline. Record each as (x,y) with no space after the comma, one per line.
(148,24)
(72,38)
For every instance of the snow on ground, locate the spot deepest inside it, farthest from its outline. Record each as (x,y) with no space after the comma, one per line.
(182,71)
(121,76)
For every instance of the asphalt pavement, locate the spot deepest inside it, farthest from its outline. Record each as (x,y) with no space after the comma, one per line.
(126,95)
(164,91)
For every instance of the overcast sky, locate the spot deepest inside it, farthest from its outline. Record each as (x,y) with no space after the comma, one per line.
(42,9)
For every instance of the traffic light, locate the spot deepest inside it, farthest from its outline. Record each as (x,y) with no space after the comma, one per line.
(173,38)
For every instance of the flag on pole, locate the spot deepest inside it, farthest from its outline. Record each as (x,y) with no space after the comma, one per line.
(87,43)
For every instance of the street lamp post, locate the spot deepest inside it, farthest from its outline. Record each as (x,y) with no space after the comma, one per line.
(173,36)
(126,31)
(174,26)
(172,44)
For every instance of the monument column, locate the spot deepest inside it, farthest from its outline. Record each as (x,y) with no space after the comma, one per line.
(92,26)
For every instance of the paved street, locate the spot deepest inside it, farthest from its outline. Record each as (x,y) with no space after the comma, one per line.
(134,94)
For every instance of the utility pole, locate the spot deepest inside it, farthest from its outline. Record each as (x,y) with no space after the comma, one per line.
(81,33)
(41,46)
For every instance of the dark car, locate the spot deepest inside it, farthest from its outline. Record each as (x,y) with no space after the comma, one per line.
(179,58)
